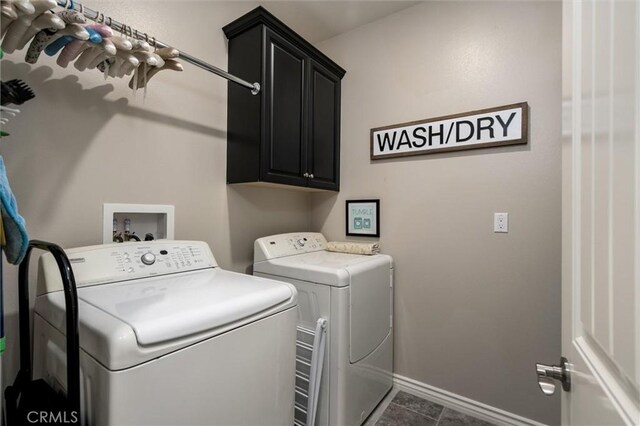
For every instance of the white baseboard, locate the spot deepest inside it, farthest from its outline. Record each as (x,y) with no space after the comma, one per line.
(461,403)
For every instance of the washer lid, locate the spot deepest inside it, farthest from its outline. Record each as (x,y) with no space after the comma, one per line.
(172,307)
(128,323)
(322,267)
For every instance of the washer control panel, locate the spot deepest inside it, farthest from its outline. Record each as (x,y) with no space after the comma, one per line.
(283,245)
(119,262)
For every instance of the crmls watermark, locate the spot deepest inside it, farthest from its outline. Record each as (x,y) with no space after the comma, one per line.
(52,417)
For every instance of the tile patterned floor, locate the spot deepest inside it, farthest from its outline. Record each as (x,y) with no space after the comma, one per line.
(409,410)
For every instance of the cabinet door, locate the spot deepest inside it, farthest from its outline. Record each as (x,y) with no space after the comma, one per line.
(324,128)
(284,148)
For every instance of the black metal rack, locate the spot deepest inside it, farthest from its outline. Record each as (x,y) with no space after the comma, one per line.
(25,394)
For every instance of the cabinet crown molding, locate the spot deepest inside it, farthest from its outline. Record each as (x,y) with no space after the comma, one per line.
(261,16)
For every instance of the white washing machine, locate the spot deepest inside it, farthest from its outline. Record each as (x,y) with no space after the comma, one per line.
(355,294)
(169,338)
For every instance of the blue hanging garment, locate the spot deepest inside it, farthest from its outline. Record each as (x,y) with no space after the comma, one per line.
(2,243)
(15,230)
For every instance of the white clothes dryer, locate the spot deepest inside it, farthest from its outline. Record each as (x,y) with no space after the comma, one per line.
(169,338)
(355,294)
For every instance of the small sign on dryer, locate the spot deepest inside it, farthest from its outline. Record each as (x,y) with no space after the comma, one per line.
(363,218)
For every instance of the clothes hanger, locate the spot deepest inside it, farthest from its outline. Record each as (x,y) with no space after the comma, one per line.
(10,111)
(4,120)
(15,92)
(18,27)
(10,11)
(74,21)
(46,21)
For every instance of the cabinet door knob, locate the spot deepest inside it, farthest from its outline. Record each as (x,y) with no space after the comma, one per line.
(311,175)
(306,175)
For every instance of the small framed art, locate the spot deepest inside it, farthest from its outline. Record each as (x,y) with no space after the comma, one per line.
(363,218)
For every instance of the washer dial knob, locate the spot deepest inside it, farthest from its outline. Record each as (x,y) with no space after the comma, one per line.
(301,242)
(148,258)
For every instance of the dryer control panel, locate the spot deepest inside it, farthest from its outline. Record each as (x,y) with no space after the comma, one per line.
(119,262)
(283,245)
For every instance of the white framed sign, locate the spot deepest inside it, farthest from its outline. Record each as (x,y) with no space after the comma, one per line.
(363,218)
(504,125)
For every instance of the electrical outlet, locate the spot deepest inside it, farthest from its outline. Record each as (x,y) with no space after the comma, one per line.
(501,222)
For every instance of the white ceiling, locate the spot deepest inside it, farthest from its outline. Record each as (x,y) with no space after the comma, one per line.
(320,20)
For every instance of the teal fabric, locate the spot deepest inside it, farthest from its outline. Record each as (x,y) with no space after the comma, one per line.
(15,229)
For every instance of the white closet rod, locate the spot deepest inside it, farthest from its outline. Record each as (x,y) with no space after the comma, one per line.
(125,29)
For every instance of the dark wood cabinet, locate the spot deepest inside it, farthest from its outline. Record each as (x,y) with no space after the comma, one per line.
(324,127)
(290,132)
(284,153)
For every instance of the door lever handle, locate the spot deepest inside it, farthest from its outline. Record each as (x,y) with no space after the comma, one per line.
(548,373)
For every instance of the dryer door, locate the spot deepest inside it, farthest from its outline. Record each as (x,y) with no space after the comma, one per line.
(370,303)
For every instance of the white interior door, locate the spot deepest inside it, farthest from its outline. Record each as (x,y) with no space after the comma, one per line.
(601,211)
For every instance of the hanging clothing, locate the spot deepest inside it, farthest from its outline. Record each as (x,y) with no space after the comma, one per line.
(3,240)
(15,230)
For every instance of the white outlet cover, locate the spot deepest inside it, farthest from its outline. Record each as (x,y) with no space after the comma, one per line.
(501,222)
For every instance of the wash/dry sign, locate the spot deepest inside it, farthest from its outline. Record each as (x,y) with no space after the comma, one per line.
(505,125)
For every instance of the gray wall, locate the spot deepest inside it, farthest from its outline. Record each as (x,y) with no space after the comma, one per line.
(474,310)
(84,141)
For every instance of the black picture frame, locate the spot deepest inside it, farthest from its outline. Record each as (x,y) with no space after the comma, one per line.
(369,223)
